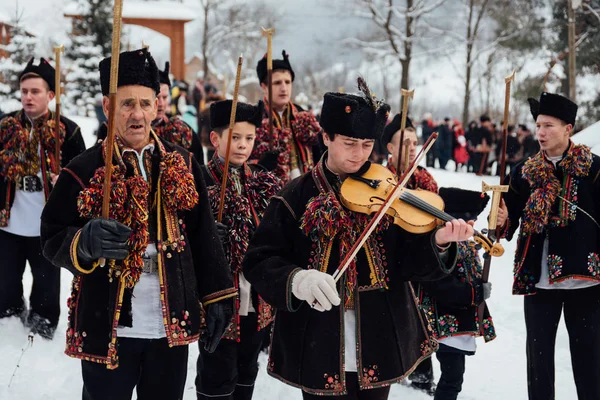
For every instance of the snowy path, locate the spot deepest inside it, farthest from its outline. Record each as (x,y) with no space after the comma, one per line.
(497,372)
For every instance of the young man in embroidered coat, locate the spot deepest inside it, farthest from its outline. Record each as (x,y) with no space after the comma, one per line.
(295,149)
(230,372)
(27,157)
(456,296)
(130,321)
(555,197)
(355,344)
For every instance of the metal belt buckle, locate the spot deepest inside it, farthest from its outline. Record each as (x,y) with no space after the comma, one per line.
(150,265)
(32,183)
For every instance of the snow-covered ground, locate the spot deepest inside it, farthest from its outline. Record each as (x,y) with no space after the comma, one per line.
(496,372)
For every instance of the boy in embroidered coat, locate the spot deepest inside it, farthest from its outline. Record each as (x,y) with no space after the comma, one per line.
(295,148)
(230,372)
(130,321)
(451,304)
(171,128)
(555,197)
(27,159)
(377,335)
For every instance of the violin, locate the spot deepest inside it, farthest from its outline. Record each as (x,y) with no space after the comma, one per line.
(416,211)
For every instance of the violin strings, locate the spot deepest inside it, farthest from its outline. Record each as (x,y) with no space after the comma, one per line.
(424,206)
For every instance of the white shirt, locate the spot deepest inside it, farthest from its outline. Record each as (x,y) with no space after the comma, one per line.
(544,282)
(26,211)
(462,342)
(350,340)
(146,306)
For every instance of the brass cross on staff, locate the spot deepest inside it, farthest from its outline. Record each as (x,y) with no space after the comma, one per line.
(406,95)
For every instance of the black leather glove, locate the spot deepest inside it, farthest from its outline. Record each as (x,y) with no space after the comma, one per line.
(105,238)
(218,317)
(269,160)
(222,230)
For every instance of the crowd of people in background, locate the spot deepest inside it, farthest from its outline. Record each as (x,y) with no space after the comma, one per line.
(477,148)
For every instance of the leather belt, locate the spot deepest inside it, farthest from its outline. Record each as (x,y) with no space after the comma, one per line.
(150,265)
(31,184)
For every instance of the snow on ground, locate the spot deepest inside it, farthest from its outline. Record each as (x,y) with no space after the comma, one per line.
(496,372)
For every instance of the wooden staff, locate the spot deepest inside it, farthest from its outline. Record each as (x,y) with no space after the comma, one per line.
(57,92)
(269,34)
(493,231)
(406,94)
(229,134)
(112,106)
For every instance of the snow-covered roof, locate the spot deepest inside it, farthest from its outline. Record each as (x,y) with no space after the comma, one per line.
(590,136)
(145,10)
(5,18)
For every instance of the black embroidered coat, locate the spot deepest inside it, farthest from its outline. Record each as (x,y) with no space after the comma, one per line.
(72,146)
(242,213)
(297,138)
(451,303)
(307,346)
(190,275)
(562,203)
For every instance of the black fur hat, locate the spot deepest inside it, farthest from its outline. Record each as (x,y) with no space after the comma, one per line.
(163,76)
(261,67)
(220,113)
(553,105)
(462,203)
(360,116)
(44,70)
(135,68)
(393,127)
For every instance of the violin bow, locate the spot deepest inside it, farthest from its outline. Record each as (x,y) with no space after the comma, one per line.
(229,134)
(493,231)
(393,195)
(112,104)
(57,51)
(406,95)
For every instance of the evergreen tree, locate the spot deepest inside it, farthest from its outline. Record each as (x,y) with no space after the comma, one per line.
(20,49)
(83,79)
(91,42)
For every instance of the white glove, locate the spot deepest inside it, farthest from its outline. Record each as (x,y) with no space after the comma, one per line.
(310,285)
(487,290)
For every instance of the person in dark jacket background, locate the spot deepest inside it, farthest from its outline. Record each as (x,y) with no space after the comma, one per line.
(27,180)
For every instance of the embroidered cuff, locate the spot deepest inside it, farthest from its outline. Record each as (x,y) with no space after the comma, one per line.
(74,260)
(218,296)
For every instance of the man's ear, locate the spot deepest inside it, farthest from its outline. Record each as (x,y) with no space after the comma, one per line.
(390,147)
(214,139)
(105,105)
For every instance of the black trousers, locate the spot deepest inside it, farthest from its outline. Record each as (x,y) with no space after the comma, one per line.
(44,300)
(156,370)
(582,318)
(230,372)
(452,364)
(354,393)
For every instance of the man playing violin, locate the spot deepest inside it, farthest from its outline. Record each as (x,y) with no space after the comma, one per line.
(353,338)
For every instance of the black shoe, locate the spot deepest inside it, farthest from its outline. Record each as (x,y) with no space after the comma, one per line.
(41,326)
(20,312)
(426,387)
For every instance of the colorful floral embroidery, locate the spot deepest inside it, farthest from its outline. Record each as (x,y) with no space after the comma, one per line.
(428,347)
(370,375)
(594,264)
(180,327)
(489,332)
(74,339)
(332,382)
(555,264)
(448,325)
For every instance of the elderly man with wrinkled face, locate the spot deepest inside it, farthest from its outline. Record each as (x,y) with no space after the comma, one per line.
(164,282)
